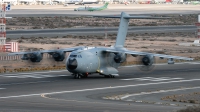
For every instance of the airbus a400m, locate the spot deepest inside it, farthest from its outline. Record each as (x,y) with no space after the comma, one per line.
(84,61)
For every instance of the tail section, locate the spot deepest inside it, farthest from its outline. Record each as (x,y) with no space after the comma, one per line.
(106,5)
(122,31)
(123,26)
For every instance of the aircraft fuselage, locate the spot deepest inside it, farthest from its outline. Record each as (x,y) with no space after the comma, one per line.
(93,60)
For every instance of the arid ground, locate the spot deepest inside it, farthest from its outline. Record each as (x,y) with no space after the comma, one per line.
(162,43)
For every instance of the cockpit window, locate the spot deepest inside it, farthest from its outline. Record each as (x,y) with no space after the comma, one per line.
(73,56)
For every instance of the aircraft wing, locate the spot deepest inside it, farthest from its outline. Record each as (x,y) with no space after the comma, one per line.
(48,51)
(137,53)
(18,53)
(64,50)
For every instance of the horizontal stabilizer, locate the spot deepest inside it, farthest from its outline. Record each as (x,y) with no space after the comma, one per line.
(107,16)
(145,17)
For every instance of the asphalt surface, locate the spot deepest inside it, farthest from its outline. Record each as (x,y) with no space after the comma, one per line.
(113,9)
(54,13)
(51,91)
(97,30)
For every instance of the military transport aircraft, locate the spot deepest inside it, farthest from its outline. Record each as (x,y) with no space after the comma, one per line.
(103,60)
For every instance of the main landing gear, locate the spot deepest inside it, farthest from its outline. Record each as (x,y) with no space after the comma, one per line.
(109,76)
(79,76)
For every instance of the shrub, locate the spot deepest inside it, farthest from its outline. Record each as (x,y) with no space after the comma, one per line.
(190,109)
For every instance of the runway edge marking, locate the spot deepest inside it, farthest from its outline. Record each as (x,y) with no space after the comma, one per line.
(83,90)
(152,79)
(161,91)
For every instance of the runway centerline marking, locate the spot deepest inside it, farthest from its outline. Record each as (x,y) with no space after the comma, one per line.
(32,75)
(36,72)
(2,88)
(161,91)
(103,88)
(24,83)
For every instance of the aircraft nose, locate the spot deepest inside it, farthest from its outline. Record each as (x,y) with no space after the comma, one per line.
(72,64)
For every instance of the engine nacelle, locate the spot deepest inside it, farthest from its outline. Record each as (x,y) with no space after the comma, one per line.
(34,56)
(58,56)
(148,60)
(120,57)
(25,57)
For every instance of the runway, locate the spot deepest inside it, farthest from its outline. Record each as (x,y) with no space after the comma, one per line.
(113,9)
(58,91)
(50,91)
(97,30)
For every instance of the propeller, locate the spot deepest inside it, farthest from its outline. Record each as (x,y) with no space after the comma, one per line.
(32,58)
(57,56)
(145,63)
(115,59)
(119,57)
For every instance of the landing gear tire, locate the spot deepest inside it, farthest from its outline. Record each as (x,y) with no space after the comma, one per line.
(106,76)
(85,75)
(109,76)
(77,76)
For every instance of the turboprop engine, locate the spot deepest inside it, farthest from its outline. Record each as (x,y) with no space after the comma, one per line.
(58,56)
(145,62)
(120,57)
(33,57)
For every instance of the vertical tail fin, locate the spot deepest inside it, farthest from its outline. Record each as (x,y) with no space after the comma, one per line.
(106,5)
(123,26)
(122,31)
